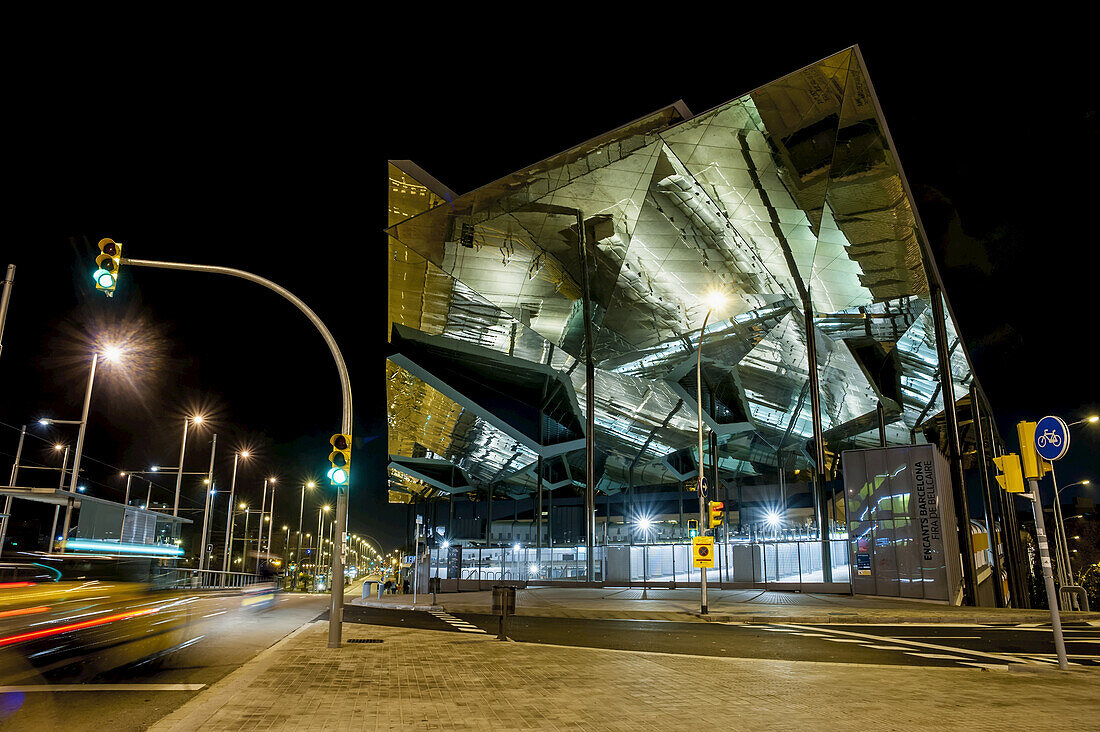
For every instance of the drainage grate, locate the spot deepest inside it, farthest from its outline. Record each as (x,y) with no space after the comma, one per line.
(365,640)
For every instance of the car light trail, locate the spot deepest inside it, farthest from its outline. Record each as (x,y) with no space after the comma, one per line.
(73,626)
(23,611)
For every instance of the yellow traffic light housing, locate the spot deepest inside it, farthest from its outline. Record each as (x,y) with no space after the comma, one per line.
(1033,466)
(107,265)
(693,527)
(1011,478)
(340,458)
(717,513)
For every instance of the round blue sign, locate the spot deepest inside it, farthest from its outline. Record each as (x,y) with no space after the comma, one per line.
(1051,438)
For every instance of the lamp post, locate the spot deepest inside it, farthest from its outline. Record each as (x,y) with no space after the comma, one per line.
(644,524)
(197,419)
(713,300)
(244,540)
(301,510)
(209,484)
(229,512)
(61,486)
(260,536)
(1062,521)
(112,354)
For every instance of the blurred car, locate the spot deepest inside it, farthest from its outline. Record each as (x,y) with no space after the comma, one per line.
(79,615)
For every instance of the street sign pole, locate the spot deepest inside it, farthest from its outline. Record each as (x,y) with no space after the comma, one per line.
(1048,575)
(1047,440)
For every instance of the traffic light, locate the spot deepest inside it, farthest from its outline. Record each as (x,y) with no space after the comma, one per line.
(1011,478)
(106,266)
(693,528)
(717,513)
(1033,466)
(340,457)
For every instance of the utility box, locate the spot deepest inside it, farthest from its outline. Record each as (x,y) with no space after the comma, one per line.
(902,532)
(504,601)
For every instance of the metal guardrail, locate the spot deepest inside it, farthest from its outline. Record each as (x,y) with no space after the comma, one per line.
(211,579)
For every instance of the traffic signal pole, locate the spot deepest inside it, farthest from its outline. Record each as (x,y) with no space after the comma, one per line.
(336,610)
(700,489)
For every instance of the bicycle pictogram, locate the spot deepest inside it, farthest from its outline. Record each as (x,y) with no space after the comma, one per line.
(1049,436)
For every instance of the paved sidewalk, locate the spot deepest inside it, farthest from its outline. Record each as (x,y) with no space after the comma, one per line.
(731,606)
(423,679)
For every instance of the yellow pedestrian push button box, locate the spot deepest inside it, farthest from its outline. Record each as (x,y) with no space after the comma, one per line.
(702,552)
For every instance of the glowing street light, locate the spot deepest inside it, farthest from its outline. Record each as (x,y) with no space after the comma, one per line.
(713,299)
(80,435)
(301,512)
(187,421)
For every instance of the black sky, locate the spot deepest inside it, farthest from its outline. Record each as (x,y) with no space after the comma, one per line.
(275,162)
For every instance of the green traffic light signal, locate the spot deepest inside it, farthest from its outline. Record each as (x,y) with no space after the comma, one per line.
(107,264)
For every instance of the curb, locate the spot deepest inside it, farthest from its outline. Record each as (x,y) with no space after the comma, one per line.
(827,618)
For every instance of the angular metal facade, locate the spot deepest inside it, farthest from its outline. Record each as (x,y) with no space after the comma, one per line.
(788,200)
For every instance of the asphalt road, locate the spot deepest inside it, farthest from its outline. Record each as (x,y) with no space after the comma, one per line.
(225,635)
(910,645)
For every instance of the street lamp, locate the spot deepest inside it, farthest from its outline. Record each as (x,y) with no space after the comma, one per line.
(644,524)
(114,354)
(714,299)
(301,509)
(260,537)
(197,419)
(240,454)
(1062,519)
(209,480)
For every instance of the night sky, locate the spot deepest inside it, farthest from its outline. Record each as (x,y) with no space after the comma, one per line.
(280,169)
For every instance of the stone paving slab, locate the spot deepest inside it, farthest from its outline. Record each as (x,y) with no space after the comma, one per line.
(437,680)
(730,606)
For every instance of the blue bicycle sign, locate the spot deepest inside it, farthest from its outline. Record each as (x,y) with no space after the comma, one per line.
(1051,438)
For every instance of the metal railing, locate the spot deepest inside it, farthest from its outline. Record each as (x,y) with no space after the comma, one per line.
(212,579)
(793,561)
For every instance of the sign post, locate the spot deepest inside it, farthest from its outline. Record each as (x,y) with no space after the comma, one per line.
(1029,452)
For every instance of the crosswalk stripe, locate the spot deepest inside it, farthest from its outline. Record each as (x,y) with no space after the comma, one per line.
(456,623)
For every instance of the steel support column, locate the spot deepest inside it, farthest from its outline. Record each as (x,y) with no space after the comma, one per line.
(820,505)
(590,410)
(987,494)
(954,448)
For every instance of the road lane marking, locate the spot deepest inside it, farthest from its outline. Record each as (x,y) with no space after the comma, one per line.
(887,648)
(941,637)
(944,656)
(845,640)
(102,687)
(1004,658)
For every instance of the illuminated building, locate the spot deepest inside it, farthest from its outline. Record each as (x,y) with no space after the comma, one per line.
(581,281)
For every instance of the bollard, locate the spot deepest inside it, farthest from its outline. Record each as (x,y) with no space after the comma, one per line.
(504,605)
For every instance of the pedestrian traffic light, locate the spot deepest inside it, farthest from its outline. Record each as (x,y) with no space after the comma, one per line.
(106,266)
(717,513)
(1011,478)
(693,528)
(340,457)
